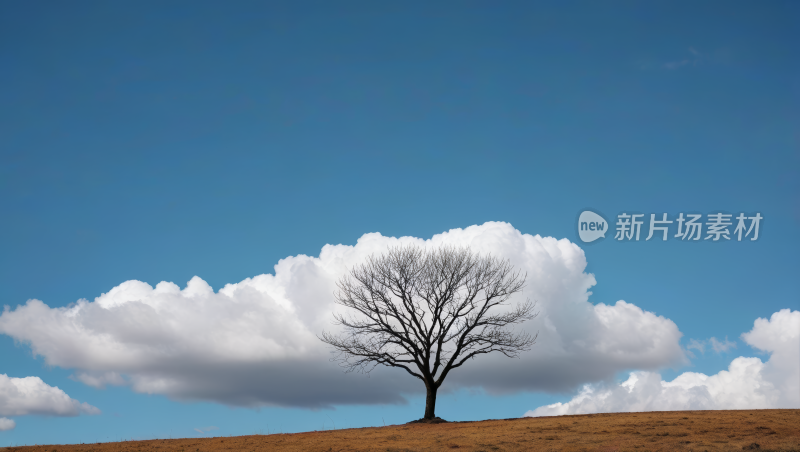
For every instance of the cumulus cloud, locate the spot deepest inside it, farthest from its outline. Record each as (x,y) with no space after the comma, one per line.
(780,336)
(6,424)
(748,383)
(31,395)
(255,342)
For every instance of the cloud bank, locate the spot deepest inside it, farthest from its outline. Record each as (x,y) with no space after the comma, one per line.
(748,383)
(254,342)
(31,395)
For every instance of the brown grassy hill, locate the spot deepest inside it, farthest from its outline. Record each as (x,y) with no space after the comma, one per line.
(761,430)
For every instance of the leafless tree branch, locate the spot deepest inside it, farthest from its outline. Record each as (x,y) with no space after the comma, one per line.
(428,312)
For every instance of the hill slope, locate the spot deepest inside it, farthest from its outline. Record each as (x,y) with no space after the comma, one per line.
(761,430)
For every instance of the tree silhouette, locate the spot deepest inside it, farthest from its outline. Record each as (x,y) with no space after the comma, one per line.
(428,312)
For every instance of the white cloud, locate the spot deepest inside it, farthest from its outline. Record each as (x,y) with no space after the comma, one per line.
(204,430)
(255,342)
(99,380)
(6,424)
(748,383)
(717,345)
(721,346)
(697,345)
(31,395)
(780,336)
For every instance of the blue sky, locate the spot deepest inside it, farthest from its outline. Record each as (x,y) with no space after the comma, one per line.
(158,142)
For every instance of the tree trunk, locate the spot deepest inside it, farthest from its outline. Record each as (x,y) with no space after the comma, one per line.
(430,402)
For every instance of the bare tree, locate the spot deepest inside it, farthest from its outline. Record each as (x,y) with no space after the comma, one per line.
(428,312)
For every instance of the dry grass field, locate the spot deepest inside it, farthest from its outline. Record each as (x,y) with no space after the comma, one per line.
(762,430)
